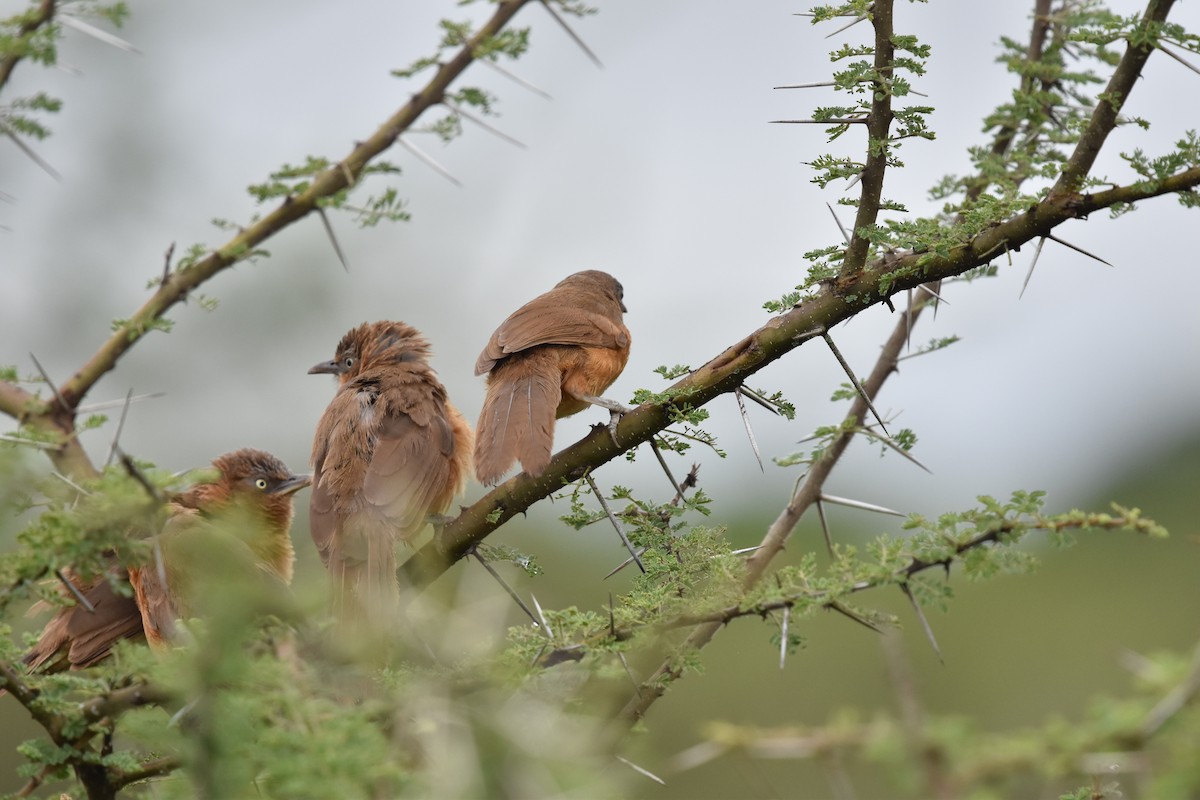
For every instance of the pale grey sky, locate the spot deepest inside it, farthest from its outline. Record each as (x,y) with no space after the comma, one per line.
(660,168)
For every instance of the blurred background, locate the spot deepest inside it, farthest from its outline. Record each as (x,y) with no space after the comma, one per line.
(662,169)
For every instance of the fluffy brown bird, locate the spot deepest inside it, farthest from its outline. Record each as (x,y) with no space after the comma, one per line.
(252,484)
(390,451)
(550,359)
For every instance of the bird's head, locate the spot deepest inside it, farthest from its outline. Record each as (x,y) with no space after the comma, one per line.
(598,282)
(250,478)
(373,344)
(252,497)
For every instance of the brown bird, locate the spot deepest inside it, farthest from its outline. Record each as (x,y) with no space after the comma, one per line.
(250,483)
(390,451)
(550,359)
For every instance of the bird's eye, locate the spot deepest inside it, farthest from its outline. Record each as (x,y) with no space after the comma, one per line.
(261,483)
(348,362)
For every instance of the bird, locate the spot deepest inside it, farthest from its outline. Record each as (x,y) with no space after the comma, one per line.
(390,453)
(252,495)
(551,358)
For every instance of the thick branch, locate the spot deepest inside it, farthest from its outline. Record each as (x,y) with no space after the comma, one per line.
(884,277)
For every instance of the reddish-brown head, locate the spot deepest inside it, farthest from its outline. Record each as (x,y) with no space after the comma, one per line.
(374,344)
(258,485)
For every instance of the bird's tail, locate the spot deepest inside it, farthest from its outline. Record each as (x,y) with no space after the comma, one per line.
(517,420)
(362,563)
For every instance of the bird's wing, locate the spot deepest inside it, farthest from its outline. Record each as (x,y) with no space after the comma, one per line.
(409,474)
(322,515)
(539,323)
(79,638)
(158,584)
(92,634)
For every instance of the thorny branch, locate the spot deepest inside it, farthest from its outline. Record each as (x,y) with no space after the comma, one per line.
(832,601)
(47,416)
(957,772)
(98,780)
(881,278)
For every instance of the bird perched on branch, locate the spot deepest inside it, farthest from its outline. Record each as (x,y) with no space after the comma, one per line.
(246,513)
(551,358)
(390,451)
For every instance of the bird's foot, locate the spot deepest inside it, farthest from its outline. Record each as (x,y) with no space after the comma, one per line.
(616,411)
(438,521)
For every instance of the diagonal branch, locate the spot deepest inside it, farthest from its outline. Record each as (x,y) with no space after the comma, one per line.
(177,285)
(807,494)
(883,277)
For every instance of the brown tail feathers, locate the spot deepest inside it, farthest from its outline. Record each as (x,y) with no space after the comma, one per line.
(517,421)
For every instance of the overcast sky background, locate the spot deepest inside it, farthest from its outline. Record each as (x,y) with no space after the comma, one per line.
(660,168)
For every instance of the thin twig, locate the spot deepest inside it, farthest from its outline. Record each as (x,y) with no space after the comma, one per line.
(487,62)
(428,159)
(854,378)
(847,26)
(887,441)
(29,151)
(640,770)
(924,287)
(1180,59)
(457,109)
(662,462)
(54,389)
(1032,264)
(541,617)
(824,526)
(97,34)
(1077,249)
(74,590)
(103,404)
(805,85)
(737,394)
(616,523)
(623,564)
(629,672)
(837,121)
(846,612)
(69,482)
(783,636)
(112,450)
(574,36)
(758,398)
(845,501)
(924,622)
(333,240)
(142,480)
(841,227)
(166,273)
(511,592)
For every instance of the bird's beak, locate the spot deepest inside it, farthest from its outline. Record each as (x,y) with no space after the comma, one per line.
(623,308)
(326,368)
(293,484)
